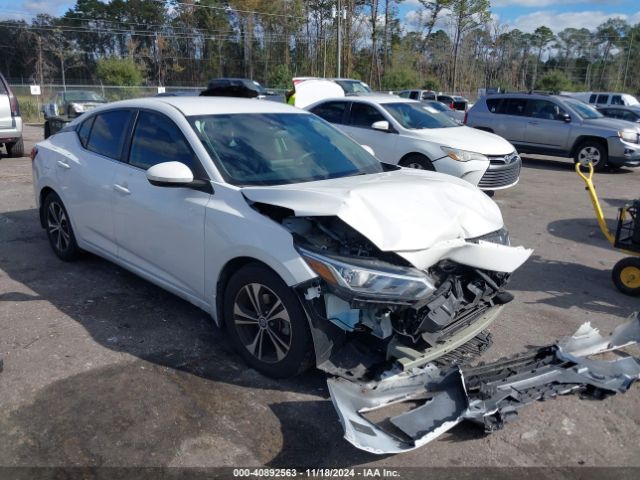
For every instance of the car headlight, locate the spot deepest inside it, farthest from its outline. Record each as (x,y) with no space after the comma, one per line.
(629,136)
(370,278)
(500,237)
(77,108)
(463,155)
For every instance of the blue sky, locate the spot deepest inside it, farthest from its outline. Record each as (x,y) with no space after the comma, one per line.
(523,14)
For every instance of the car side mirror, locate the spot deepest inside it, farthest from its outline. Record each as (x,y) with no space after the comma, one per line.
(369,149)
(565,117)
(169,174)
(381,125)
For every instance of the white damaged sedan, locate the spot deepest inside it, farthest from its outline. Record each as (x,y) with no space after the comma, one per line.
(291,235)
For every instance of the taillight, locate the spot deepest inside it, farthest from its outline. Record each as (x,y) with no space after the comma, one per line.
(466,115)
(452,106)
(15,108)
(34,152)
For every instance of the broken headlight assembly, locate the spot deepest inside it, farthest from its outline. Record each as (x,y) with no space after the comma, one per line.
(500,237)
(371,279)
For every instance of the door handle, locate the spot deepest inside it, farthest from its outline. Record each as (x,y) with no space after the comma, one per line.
(64,165)
(121,189)
(534,123)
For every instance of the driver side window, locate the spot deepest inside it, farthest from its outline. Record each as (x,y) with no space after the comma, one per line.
(157,139)
(363,115)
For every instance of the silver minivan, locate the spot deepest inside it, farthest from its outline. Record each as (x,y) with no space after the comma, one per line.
(10,121)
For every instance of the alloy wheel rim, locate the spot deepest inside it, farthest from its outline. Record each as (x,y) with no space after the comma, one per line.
(58,226)
(262,323)
(415,165)
(630,277)
(589,155)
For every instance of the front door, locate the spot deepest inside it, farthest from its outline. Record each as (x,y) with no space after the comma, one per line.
(160,230)
(359,128)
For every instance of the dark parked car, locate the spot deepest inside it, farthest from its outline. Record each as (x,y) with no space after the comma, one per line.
(630,114)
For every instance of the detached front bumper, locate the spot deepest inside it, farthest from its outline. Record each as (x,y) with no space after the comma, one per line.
(376,416)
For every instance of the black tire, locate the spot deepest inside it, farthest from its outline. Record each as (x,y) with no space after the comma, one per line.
(415,160)
(275,341)
(592,151)
(59,230)
(626,276)
(16,150)
(47,130)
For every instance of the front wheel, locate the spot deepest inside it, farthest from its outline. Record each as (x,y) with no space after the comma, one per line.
(267,323)
(593,152)
(626,276)
(417,161)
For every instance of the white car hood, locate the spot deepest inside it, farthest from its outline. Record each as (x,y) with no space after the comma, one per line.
(466,138)
(422,216)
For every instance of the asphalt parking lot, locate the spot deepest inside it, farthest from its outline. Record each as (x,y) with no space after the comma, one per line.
(102,368)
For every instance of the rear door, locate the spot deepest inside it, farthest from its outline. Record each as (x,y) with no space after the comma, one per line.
(160,230)
(6,120)
(510,121)
(86,178)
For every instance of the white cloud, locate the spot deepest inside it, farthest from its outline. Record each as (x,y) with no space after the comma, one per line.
(589,19)
(546,3)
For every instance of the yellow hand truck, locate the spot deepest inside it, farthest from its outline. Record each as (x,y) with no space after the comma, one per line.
(626,273)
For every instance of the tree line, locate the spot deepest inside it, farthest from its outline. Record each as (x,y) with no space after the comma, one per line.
(452,45)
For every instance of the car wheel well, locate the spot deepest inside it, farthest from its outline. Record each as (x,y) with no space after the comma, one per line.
(43,194)
(223,279)
(586,138)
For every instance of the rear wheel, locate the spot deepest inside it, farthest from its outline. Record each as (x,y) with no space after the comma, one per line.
(593,152)
(626,276)
(417,161)
(59,230)
(267,323)
(16,149)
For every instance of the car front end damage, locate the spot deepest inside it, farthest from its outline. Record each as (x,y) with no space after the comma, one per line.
(396,322)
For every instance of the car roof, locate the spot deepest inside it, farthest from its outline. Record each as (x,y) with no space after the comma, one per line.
(208,105)
(378,98)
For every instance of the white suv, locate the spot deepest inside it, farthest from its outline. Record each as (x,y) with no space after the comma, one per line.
(10,121)
(412,134)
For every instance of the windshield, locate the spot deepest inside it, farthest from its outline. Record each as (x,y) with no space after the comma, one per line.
(582,109)
(83,96)
(415,116)
(440,107)
(354,86)
(280,148)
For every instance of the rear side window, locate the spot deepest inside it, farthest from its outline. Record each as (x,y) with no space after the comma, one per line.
(413,95)
(617,100)
(84,130)
(363,115)
(515,106)
(157,139)
(108,132)
(592,98)
(404,94)
(428,96)
(602,99)
(493,104)
(332,112)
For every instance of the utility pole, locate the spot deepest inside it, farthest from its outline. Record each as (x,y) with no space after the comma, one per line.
(626,67)
(339,40)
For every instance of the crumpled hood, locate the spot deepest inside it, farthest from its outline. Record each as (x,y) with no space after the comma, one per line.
(403,210)
(466,138)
